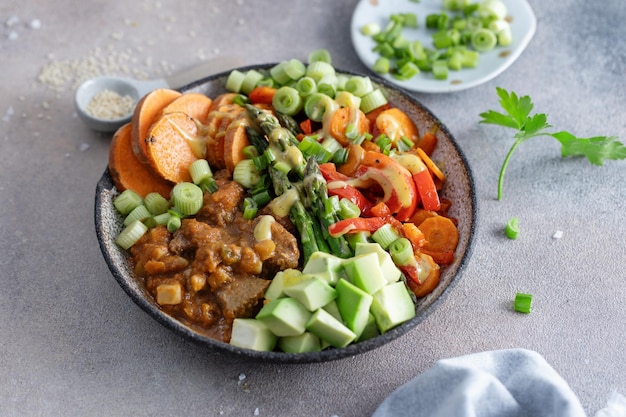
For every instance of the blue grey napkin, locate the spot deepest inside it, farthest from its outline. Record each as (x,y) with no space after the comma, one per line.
(501,383)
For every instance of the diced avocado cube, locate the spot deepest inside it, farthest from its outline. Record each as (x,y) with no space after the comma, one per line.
(252,334)
(333,309)
(284,316)
(306,342)
(329,329)
(364,272)
(392,305)
(371,329)
(312,292)
(389,269)
(325,266)
(354,305)
(284,278)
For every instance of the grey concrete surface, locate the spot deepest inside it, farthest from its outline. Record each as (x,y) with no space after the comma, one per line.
(73,344)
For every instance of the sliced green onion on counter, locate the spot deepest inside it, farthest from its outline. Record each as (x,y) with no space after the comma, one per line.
(523,302)
(512,228)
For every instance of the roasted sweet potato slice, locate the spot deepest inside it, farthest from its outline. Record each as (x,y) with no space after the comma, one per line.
(235,140)
(146,112)
(195,105)
(128,173)
(221,100)
(215,129)
(169,146)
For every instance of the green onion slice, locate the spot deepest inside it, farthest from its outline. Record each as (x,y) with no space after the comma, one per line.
(287,100)
(385,235)
(187,198)
(156,203)
(131,234)
(127,201)
(139,213)
(512,228)
(523,302)
(401,251)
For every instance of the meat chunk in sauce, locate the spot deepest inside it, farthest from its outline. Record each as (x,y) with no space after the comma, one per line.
(213,269)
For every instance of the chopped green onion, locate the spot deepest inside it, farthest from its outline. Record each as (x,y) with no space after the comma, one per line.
(287,100)
(283,167)
(331,144)
(332,205)
(328,85)
(279,74)
(407,71)
(306,86)
(156,203)
(318,69)
(370,29)
(359,85)
(492,9)
(440,69)
(356,238)
(139,213)
(382,65)
(188,198)
(250,152)
(320,55)
(316,105)
(401,251)
(384,143)
(348,210)
(373,100)
(127,201)
(250,208)
(250,80)
(262,198)
(512,228)
(294,68)
(209,185)
(131,234)
(484,40)
(385,235)
(523,302)
(162,219)
(246,173)
(241,99)
(235,80)
(200,171)
(469,58)
(173,223)
(340,156)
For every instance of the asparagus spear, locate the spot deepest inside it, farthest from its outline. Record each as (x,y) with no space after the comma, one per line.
(317,193)
(298,214)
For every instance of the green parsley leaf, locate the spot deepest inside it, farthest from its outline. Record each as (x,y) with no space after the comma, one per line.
(596,149)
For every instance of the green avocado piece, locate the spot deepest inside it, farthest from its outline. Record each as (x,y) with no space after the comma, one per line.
(392,305)
(364,272)
(354,306)
(325,266)
(389,269)
(312,292)
(284,316)
(329,329)
(281,280)
(252,334)
(306,342)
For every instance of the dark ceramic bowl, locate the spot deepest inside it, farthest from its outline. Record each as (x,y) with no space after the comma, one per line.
(459,188)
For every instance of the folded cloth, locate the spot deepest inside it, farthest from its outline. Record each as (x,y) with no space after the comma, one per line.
(502,383)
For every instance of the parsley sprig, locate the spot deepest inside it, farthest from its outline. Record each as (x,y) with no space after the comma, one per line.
(597,149)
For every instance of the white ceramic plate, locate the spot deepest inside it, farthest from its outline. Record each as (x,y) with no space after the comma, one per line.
(492,63)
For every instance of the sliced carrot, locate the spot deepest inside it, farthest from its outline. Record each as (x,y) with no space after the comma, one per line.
(414,234)
(432,167)
(340,120)
(168,146)
(426,285)
(235,140)
(428,142)
(146,112)
(262,94)
(355,157)
(128,173)
(420,215)
(395,124)
(195,105)
(442,238)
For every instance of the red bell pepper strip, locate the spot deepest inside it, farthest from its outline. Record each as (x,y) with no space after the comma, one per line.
(427,190)
(357,224)
(354,195)
(330,173)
